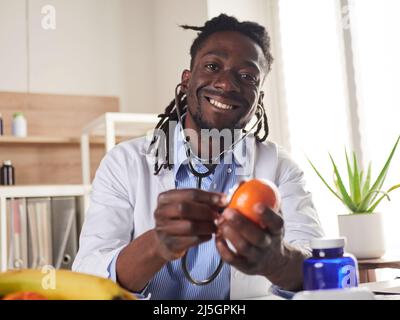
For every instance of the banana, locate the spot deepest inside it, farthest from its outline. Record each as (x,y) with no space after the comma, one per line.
(62,285)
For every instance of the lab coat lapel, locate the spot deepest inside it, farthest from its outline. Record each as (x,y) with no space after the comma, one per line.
(165,178)
(245,155)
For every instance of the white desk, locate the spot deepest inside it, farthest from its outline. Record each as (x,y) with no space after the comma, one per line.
(383,287)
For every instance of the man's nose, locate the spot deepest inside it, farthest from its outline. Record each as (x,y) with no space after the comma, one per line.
(227,82)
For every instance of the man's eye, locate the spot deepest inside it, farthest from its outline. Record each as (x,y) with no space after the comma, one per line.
(211,66)
(248,77)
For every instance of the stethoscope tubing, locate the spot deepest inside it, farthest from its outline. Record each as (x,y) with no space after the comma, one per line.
(185,270)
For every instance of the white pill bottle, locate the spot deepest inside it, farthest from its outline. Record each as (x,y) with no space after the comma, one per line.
(19,125)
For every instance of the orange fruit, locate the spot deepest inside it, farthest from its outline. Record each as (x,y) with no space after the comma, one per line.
(251,192)
(24,296)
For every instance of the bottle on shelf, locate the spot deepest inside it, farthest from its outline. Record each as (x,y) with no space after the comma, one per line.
(1,125)
(19,125)
(7,174)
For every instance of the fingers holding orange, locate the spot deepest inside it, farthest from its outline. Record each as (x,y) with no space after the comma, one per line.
(248,229)
(252,192)
(270,219)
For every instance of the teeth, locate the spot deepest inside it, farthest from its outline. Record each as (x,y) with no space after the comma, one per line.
(220,105)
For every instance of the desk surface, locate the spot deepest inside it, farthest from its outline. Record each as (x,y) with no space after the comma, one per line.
(384,262)
(391,287)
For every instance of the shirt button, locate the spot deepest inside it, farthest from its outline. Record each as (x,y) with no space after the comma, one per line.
(215,186)
(229,170)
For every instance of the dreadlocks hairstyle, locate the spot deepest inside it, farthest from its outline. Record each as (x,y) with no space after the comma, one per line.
(223,22)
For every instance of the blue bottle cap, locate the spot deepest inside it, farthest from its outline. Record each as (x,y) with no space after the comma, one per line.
(327,243)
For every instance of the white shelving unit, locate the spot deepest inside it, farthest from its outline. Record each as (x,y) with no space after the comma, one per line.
(110,125)
(32,192)
(104,129)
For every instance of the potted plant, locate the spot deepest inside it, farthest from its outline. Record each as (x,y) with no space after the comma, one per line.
(363,225)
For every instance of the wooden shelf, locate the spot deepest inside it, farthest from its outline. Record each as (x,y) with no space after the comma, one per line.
(51,154)
(46,140)
(44,190)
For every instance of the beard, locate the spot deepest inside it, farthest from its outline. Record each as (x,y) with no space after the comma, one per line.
(202,123)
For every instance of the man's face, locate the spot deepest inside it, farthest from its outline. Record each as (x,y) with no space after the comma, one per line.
(223,86)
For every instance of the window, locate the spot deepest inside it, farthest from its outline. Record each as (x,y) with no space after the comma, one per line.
(313,73)
(376,30)
(318,108)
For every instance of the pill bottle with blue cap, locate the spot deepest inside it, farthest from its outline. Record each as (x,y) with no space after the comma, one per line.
(329,267)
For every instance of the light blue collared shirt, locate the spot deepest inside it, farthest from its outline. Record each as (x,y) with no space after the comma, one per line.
(170,282)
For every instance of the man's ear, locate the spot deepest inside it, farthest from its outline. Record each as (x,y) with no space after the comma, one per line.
(185,78)
(261,97)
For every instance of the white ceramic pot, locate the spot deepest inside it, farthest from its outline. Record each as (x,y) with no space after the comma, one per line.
(364,233)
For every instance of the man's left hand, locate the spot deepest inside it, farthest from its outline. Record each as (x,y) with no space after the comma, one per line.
(259,248)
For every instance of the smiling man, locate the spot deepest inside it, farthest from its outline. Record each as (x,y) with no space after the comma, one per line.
(156,205)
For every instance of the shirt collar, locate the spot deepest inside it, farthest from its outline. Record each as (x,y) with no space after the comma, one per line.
(240,152)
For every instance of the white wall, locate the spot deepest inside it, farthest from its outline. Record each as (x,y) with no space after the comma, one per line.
(172,43)
(137,55)
(133,49)
(265,13)
(155,50)
(12,45)
(254,10)
(81,55)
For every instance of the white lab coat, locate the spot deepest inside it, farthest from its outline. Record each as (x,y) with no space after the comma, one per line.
(124,197)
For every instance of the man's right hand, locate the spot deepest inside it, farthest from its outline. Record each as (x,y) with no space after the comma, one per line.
(184,218)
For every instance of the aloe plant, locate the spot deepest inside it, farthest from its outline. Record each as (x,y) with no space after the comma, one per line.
(361,196)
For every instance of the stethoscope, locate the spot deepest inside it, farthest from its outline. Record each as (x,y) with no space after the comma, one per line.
(200,176)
